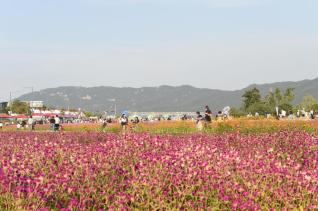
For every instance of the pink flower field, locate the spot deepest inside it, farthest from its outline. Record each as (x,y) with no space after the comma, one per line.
(98,171)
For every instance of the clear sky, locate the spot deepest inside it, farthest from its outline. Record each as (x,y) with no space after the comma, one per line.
(221,44)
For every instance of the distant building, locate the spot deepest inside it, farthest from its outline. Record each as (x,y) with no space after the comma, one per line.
(35,104)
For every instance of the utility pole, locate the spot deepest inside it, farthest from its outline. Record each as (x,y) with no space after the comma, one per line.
(115,105)
(10,100)
(115,109)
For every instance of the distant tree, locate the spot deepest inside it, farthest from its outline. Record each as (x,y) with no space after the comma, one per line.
(270,102)
(315,107)
(286,107)
(19,107)
(281,99)
(289,95)
(253,102)
(250,97)
(278,96)
(88,113)
(259,107)
(309,103)
(270,99)
(287,101)
(237,112)
(4,110)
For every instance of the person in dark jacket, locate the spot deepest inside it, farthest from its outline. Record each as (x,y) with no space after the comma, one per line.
(52,122)
(124,121)
(208,114)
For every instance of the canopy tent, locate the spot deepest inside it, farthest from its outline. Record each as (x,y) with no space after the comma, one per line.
(5,116)
(69,116)
(43,114)
(21,116)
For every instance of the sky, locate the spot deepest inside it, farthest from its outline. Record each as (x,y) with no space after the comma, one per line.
(218,44)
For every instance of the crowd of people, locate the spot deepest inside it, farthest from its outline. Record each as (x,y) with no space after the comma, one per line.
(282,114)
(123,121)
(202,120)
(30,123)
(55,123)
(26,124)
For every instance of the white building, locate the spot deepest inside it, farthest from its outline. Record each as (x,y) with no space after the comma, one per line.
(35,104)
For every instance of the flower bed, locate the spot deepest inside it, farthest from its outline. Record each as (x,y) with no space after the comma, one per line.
(142,171)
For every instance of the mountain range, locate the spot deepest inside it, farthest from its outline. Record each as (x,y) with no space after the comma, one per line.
(158,99)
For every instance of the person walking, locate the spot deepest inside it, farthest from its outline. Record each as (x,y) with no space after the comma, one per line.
(52,122)
(57,123)
(123,121)
(104,125)
(23,124)
(208,114)
(31,123)
(198,123)
(207,117)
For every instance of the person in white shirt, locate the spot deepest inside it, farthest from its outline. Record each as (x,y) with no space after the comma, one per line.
(18,126)
(199,119)
(57,123)
(31,123)
(283,113)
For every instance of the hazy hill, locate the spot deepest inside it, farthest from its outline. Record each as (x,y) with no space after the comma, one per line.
(163,98)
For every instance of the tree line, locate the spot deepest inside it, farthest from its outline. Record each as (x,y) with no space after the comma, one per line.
(253,102)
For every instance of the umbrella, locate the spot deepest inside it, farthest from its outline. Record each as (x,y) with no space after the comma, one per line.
(125,113)
(226,110)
